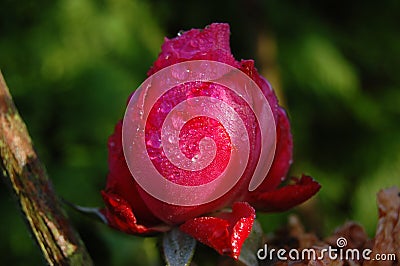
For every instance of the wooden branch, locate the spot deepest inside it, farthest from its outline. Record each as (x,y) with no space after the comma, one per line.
(41,208)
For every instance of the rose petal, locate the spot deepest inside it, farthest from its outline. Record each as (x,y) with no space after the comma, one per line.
(284,143)
(225,233)
(283,157)
(120,216)
(247,66)
(283,152)
(211,43)
(286,197)
(120,181)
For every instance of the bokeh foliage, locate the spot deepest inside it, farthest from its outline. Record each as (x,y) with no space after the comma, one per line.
(71,64)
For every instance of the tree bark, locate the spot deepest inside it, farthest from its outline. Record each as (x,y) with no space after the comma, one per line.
(60,244)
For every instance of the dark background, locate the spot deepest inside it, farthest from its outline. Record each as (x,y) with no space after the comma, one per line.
(71,64)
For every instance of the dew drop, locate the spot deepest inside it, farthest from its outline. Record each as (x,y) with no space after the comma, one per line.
(195,158)
(171,139)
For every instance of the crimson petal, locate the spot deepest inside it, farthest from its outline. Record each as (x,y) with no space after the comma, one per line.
(284,142)
(283,156)
(120,216)
(120,181)
(286,197)
(226,232)
(211,43)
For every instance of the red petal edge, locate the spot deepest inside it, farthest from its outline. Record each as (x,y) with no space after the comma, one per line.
(211,43)
(120,216)
(283,157)
(225,233)
(286,197)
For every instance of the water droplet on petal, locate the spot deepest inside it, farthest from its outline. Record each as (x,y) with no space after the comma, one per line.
(171,139)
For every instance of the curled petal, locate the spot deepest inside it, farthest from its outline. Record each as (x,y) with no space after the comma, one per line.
(283,156)
(247,66)
(211,43)
(120,216)
(226,232)
(284,142)
(286,197)
(283,152)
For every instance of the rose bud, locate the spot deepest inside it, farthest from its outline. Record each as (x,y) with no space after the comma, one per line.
(221,121)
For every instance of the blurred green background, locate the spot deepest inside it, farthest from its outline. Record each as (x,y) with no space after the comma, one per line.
(71,64)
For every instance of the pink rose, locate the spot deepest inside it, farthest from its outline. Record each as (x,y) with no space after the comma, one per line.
(131,209)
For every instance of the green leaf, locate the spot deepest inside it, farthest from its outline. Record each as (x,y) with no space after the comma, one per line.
(178,248)
(251,245)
